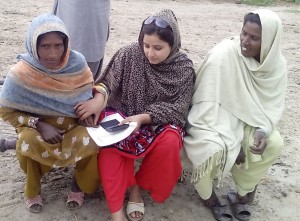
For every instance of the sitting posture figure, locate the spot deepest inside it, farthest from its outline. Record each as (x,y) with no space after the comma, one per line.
(38,98)
(151,83)
(238,100)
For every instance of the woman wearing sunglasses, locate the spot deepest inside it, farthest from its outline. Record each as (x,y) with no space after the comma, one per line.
(151,83)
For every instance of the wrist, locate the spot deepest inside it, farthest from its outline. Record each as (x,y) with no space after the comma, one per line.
(260,130)
(146,119)
(99,98)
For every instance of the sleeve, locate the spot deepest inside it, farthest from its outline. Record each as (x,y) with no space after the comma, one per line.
(17,118)
(111,78)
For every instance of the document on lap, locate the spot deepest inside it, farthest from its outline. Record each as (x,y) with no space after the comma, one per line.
(112,133)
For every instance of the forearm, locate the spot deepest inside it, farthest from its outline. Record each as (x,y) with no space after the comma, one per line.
(99,100)
(16,118)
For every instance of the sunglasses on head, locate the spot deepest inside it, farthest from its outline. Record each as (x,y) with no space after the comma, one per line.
(158,22)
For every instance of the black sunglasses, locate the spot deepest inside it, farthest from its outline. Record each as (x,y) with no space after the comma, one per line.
(158,22)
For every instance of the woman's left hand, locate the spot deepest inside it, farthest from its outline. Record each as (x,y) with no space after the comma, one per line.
(259,144)
(140,119)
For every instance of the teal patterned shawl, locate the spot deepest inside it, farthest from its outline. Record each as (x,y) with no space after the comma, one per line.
(31,87)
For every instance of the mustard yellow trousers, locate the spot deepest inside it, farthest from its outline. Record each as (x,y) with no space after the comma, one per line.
(86,174)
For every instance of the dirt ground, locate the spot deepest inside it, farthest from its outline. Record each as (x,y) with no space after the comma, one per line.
(202,25)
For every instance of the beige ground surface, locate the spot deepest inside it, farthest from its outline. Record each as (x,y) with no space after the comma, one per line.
(202,24)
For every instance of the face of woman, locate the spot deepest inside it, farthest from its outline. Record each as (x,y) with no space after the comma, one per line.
(50,50)
(155,49)
(250,38)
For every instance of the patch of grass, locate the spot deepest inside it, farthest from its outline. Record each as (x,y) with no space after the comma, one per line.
(259,2)
(293,11)
(267,2)
(296,1)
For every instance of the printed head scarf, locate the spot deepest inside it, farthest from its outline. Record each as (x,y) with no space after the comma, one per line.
(31,87)
(162,90)
(168,16)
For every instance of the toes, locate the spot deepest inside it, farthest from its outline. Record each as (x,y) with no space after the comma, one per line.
(73,204)
(36,208)
(136,214)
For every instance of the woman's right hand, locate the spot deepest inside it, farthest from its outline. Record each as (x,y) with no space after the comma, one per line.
(259,144)
(140,119)
(49,133)
(92,107)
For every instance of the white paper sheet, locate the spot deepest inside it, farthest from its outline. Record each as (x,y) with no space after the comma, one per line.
(104,138)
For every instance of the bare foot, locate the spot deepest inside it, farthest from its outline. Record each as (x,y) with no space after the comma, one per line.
(212,201)
(119,216)
(135,196)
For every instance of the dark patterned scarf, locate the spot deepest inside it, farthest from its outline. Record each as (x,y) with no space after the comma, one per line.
(163,90)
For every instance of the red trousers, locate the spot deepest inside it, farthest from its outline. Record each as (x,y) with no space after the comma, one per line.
(158,174)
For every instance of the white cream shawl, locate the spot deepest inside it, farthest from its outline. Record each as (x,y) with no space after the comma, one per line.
(232,91)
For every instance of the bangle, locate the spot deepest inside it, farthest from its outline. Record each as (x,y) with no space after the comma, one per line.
(32,122)
(102,89)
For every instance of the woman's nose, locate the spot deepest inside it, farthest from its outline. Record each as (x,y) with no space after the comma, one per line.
(150,52)
(53,53)
(245,41)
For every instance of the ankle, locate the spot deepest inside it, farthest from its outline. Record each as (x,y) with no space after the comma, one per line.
(135,194)
(118,216)
(212,201)
(242,199)
(74,186)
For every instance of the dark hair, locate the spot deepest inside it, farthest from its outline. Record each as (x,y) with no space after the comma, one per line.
(63,36)
(165,34)
(253,18)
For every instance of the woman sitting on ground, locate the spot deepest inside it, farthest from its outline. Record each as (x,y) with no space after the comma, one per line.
(151,83)
(38,99)
(237,104)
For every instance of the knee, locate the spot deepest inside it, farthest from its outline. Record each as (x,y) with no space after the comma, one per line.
(172,139)
(28,136)
(171,142)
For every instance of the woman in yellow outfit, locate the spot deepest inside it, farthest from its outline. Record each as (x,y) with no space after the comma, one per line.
(38,98)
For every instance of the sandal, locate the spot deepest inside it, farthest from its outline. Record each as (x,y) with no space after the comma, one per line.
(221,212)
(35,204)
(135,207)
(75,200)
(240,211)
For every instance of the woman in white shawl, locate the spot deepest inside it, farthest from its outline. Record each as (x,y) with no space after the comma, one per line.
(237,103)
